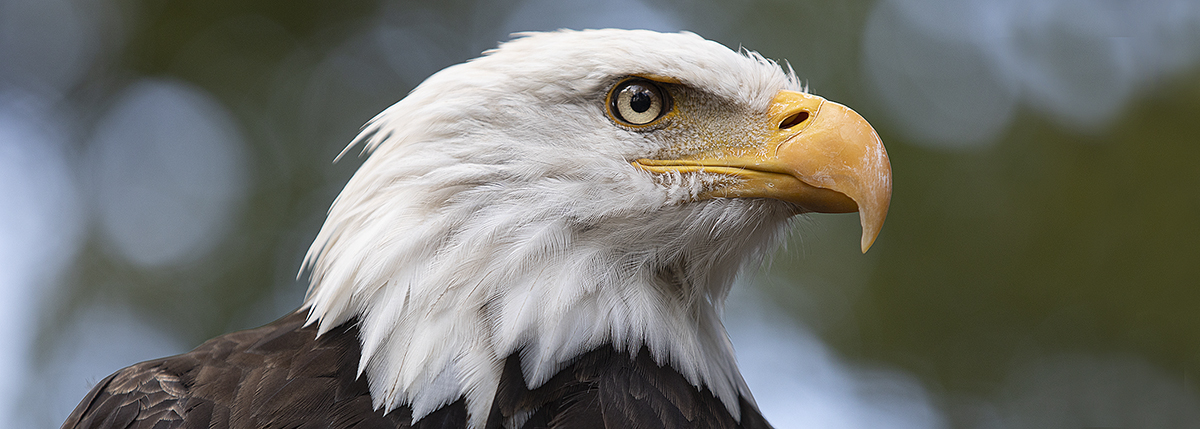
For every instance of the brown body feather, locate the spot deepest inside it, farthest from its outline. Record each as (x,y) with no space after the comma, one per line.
(283,376)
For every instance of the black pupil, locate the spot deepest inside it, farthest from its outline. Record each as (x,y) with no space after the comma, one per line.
(640,102)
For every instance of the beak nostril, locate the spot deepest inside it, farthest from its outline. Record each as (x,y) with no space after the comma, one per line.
(794,120)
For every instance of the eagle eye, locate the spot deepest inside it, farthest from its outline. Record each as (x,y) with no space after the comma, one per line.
(638,102)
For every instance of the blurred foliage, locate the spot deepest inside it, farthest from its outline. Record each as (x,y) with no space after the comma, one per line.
(245,53)
(1047,242)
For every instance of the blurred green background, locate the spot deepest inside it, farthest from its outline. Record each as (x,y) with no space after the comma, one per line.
(166,164)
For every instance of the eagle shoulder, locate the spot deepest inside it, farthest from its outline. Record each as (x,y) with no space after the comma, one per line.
(279,375)
(141,395)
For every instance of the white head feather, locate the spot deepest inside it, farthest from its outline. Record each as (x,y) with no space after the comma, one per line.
(498,213)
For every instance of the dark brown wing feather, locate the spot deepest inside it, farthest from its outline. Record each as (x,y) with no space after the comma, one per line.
(607,389)
(277,376)
(283,376)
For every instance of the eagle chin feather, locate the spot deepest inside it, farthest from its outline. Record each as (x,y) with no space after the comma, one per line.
(497,214)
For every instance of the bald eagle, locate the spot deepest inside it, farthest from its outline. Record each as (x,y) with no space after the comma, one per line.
(540,237)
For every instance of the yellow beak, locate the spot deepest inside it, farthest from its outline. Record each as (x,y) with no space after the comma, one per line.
(819,155)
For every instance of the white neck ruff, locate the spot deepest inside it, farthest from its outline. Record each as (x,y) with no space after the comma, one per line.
(443,295)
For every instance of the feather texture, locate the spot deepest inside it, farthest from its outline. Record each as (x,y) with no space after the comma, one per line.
(277,376)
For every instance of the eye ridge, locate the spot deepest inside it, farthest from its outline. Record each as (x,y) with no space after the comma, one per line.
(638,102)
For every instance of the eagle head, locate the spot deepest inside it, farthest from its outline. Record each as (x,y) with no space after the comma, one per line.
(573,190)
